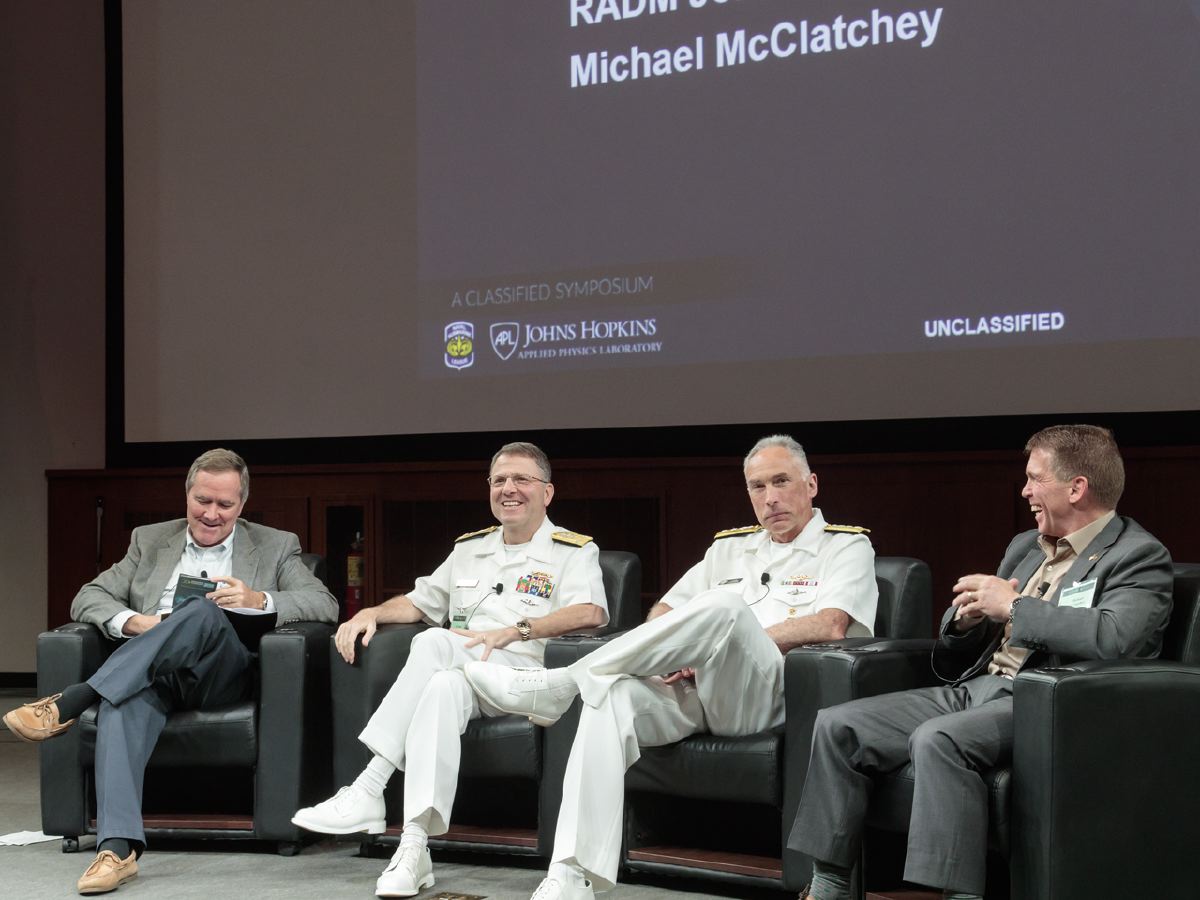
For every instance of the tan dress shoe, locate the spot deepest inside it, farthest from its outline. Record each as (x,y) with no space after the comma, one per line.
(108,872)
(36,721)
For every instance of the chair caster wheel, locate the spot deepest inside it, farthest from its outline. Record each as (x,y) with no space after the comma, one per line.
(70,845)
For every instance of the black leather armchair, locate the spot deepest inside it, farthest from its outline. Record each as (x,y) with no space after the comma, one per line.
(497,805)
(721,807)
(236,772)
(1099,799)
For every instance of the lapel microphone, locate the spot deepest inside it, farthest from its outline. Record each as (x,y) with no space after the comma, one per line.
(762,579)
(499,588)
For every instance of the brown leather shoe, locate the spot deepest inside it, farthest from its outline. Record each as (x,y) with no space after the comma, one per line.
(36,721)
(108,872)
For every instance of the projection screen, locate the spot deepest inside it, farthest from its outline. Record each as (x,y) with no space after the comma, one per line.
(371,218)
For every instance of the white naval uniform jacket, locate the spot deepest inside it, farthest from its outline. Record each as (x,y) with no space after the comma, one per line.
(549,574)
(827,567)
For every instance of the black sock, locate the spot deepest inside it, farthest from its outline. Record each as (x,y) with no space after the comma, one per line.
(119,846)
(75,700)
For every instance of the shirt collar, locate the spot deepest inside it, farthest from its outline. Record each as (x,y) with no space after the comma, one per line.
(807,541)
(226,546)
(1076,540)
(540,546)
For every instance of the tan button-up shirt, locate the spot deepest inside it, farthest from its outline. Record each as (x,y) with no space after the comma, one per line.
(1007,660)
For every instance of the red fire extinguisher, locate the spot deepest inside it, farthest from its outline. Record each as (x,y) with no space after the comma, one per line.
(354,577)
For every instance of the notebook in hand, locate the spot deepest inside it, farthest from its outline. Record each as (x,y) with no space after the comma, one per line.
(249,624)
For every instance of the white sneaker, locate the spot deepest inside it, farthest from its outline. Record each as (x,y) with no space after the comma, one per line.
(348,811)
(525,692)
(409,871)
(553,889)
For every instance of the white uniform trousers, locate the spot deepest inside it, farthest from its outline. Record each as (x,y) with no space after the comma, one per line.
(738,690)
(419,725)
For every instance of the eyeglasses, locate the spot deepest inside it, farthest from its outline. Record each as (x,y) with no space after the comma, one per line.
(520,481)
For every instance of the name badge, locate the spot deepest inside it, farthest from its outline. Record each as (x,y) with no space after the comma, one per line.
(1078,595)
(466,583)
(728,581)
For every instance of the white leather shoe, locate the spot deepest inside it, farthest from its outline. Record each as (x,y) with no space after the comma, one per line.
(409,872)
(348,811)
(553,889)
(521,691)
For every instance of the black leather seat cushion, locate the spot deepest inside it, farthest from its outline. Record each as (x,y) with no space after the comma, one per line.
(746,769)
(225,737)
(502,747)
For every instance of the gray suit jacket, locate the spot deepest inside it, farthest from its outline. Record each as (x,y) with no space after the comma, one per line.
(265,558)
(1129,612)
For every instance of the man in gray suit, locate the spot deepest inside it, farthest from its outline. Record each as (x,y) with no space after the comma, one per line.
(1086,584)
(175,654)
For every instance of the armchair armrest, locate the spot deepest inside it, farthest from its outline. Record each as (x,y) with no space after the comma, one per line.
(359,688)
(67,655)
(562,651)
(816,676)
(70,654)
(843,644)
(293,726)
(1104,786)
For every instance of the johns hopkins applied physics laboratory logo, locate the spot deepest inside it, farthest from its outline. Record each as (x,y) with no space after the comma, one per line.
(504,338)
(460,345)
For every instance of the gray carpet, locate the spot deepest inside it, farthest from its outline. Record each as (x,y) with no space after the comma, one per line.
(232,871)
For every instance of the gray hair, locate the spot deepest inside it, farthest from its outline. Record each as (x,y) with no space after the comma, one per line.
(219,460)
(530,451)
(787,442)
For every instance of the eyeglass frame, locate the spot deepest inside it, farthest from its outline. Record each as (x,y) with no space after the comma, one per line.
(519,480)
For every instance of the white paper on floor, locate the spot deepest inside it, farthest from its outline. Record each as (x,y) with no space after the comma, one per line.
(22,838)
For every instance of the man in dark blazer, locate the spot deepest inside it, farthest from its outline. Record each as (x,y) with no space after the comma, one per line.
(175,654)
(1086,584)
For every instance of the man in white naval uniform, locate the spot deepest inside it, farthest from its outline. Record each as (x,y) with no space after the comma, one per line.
(720,633)
(504,590)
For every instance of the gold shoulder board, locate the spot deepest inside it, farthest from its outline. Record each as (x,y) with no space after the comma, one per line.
(570,537)
(474,534)
(734,532)
(847,529)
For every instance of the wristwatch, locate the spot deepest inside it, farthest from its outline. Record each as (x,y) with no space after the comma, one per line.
(524,629)
(1012,609)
